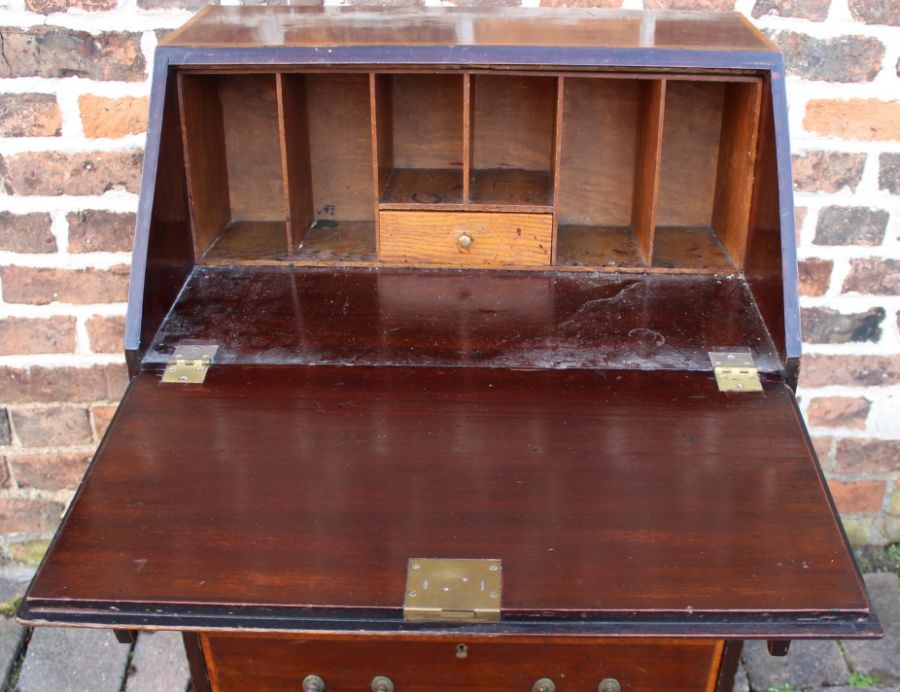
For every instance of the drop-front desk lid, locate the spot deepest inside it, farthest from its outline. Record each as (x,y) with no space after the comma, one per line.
(292,497)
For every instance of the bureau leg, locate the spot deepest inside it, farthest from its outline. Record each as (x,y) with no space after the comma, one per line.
(730,660)
(196,661)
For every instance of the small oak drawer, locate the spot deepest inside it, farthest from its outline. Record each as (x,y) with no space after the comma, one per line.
(347,663)
(471,239)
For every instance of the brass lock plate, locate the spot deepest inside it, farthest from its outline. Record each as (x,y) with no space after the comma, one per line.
(453,589)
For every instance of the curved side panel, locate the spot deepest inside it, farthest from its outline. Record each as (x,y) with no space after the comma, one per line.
(162,256)
(771,263)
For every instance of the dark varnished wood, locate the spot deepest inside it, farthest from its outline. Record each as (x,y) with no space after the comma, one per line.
(163,259)
(464,318)
(197,662)
(490,664)
(546,470)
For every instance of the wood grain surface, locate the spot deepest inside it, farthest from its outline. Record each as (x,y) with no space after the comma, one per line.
(434,238)
(645,494)
(487,664)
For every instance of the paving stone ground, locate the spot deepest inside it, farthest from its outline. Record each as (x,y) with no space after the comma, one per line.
(79,660)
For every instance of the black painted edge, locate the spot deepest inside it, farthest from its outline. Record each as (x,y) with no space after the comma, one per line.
(551,58)
(733,625)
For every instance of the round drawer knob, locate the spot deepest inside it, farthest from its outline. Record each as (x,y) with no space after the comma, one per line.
(544,685)
(382,684)
(609,685)
(465,241)
(313,683)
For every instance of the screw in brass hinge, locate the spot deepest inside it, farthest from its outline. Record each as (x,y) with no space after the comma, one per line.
(735,371)
(189,363)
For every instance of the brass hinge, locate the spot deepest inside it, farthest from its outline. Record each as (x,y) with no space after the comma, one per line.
(189,363)
(735,371)
(458,590)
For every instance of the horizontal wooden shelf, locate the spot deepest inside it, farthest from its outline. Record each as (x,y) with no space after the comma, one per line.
(690,248)
(338,241)
(411,187)
(513,187)
(597,246)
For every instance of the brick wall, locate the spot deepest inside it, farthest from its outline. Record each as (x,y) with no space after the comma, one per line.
(73,99)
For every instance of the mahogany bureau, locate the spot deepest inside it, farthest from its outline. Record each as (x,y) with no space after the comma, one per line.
(463,346)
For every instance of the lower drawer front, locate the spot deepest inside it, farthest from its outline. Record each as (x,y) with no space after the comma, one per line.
(470,239)
(502,663)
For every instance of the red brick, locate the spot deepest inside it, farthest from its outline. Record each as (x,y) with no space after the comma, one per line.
(581,3)
(5,438)
(50,6)
(106,117)
(824,171)
(54,426)
(874,276)
(700,5)
(816,10)
(42,285)
(57,471)
(838,225)
(863,119)
(867,456)
(29,515)
(102,416)
(107,334)
(29,115)
(827,326)
(26,335)
(840,59)
(100,231)
(839,412)
(50,385)
(26,233)
(57,52)
(857,496)
(876,11)
(179,4)
(824,446)
(55,173)
(814,276)
(799,217)
(889,172)
(852,371)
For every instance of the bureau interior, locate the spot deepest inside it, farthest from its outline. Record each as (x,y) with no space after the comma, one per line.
(637,172)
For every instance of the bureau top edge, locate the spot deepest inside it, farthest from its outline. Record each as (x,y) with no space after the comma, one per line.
(465,32)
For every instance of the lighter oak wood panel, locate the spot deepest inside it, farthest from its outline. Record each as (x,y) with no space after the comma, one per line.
(497,239)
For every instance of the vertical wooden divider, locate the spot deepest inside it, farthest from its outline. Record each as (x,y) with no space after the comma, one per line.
(737,159)
(203,139)
(647,165)
(380,112)
(293,136)
(556,163)
(468,132)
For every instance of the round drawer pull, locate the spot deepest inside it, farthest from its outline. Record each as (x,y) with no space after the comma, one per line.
(380,683)
(313,683)
(609,685)
(544,685)
(465,241)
